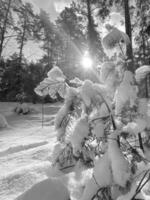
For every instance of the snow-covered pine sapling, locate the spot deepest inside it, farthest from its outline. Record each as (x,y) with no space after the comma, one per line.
(108,110)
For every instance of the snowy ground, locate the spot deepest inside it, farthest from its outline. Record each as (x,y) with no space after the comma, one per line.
(25,148)
(26,151)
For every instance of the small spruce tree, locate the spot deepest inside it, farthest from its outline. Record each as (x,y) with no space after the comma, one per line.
(104,126)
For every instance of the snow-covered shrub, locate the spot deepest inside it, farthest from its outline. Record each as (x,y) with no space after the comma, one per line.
(104,125)
(23,108)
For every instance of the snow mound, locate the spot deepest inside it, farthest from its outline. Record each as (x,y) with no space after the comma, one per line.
(3,122)
(49,189)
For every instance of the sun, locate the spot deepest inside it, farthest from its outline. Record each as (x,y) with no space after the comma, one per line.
(87,61)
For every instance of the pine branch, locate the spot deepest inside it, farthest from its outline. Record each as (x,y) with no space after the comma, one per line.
(140,142)
(141,184)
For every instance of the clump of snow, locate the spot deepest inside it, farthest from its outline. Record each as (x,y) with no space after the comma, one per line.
(106,69)
(98,129)
(62,115)
(76,184)
(102,177)
(109,77)
(125,93)
(91,94)
(56,151)
(142,72)
(143,106)
(120,166)
(135,127)
(55,83)
(103,112)
(71,95)
(56,73)
(87,92)
(102,171)
(90,190)
(76,81)
(115,41)
(3,122)
(49,189)
(81,131)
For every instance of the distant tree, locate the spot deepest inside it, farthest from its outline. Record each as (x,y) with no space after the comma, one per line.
(128,29)
(11,79)
(93,35)
(25,26)
(141,36)
(47,35)
(6,21)
(72,27)
(32,75)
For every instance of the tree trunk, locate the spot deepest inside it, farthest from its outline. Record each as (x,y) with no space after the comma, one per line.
(90,43)
(22,40)
(4,28)
(130,65)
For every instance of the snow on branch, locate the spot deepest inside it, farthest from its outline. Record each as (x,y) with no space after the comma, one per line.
(54,84)
(142,72)
(115,42)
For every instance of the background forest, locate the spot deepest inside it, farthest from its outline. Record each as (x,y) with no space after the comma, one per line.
(63,42)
